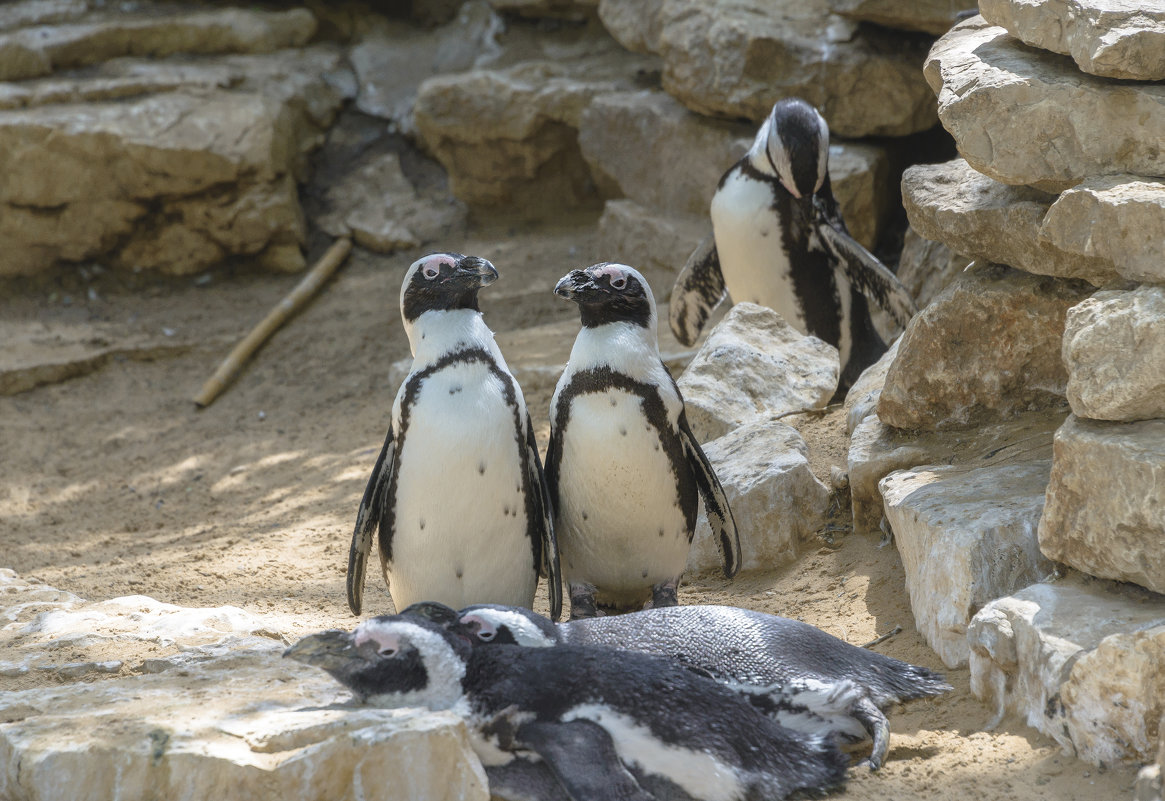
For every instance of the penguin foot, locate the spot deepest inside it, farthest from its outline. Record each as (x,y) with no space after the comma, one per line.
(874,722)
(582,601)
(665,594)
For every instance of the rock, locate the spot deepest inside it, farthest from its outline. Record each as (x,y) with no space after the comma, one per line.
(1149,785)
(1111,38)
(985,349)
(736,58)
(42,12)
(860,176)
(755,365)
(1105,499)
(777,502)
(862,399)
(1047,653)
(929,16)
(1114,346)
(983,219)
(993,92)
(568,9)
(657,244)
(927,267)
(967,535)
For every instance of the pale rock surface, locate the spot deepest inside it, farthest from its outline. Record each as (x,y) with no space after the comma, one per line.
(993,92)
(1149,785)
(735,58)
(755,365)
(777,502)
(1105,499)
(967,535)
(42,12)
(862,399)
(656,244)
(1112,38)
(927,267)
(929,16)
(986,349)
(1080,659)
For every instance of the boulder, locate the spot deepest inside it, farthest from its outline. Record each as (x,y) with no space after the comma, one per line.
(43,12)
(986,349)
(1105,499)
(556,9)
(1149,785)
(755,365)
(928,16)
(967,535)
(657,244)
(862,399)
(993,92)
(927,267)
(1080,660)
(777,502)
(1111,38)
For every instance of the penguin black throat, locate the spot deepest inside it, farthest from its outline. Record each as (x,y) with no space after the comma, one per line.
(616,309)
(419,299)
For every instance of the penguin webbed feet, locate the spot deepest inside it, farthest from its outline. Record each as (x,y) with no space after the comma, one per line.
(873,721)
(666,593)
(582,601)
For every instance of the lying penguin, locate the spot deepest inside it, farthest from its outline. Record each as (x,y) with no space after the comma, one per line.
(608,724)
(779,240)
(806,679)
(458,495)
(624,470)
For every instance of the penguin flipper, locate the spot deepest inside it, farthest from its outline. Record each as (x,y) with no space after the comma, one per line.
(368,520)
(698,290)
(549,568)
(872,278)
(720,518)
(582,757)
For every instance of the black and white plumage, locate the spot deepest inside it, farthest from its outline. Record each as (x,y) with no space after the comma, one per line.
(607,724)
(624,470)
(779,240)
(806,679)
(458,495)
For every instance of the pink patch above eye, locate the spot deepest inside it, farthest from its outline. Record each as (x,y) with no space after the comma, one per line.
(382,639)
(612,271)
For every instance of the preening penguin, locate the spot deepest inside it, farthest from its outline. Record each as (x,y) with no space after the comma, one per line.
(779,240)
(458,495)
(624,470)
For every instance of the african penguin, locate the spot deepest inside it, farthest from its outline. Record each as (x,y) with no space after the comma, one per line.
(458,494)
(608,724)
(624,470)
(806,679)
(779,240)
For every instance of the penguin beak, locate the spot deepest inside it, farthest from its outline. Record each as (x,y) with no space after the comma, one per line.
(473,272)
(577,285)
(331,650)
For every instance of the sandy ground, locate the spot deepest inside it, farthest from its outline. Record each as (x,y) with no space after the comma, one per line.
(113,483)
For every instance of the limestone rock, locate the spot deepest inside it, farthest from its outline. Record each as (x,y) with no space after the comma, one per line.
(42,12)
(657,244)
(1112,38)
(1114,349)
(993,92)
(929,16)
(986,349)
(777,502)
(967,535)
(1105,500)
(862,399)
(568,9)
(1047,653)
(927,267)
(755,365)
(1149,785)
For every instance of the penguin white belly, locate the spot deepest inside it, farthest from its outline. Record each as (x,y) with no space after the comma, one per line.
(460,528)
(620,525)
(753,259)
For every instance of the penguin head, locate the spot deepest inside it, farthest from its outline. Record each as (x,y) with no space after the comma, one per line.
(392,660)
(609,293)
(492,624)
(793,144)
(443,282)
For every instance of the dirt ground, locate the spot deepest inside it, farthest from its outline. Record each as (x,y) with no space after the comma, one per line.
(113,483)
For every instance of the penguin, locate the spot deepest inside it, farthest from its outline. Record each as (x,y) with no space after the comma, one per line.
(778,239)
(607,724)
(458,495)
(806,679)
(624,471)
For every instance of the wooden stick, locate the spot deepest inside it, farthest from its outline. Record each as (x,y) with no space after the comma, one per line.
(883,638)
(296,299)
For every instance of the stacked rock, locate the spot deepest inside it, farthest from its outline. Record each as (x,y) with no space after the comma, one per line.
(1039,558)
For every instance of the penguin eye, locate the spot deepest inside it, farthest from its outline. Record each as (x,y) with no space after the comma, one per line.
(618,282)
(486,634)
(431,271)
(387,650)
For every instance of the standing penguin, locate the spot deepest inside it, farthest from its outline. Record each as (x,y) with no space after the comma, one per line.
(779,240)
(624,470)
(457,494)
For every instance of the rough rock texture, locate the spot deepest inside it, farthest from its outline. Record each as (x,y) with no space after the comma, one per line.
(1114,349)
(755,365)
(1149,785)
(1105,501)
(983,219)
(966,535)
(993,92)
(927,267)
(735,58)
(1080,659)
(569,9)
(985,349)
(1112,38)
(778,504)
(862,399)
(929,16)
(657,244)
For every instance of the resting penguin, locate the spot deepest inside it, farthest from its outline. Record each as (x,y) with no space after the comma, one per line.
(806,679)
(779,240)
(457,494)
(624,470)
(608,724)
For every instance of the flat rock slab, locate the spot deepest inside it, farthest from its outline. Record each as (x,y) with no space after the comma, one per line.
(929,16)
(1112,38)
(1082,660)
(1105,499)
(967,535)
(993,92)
